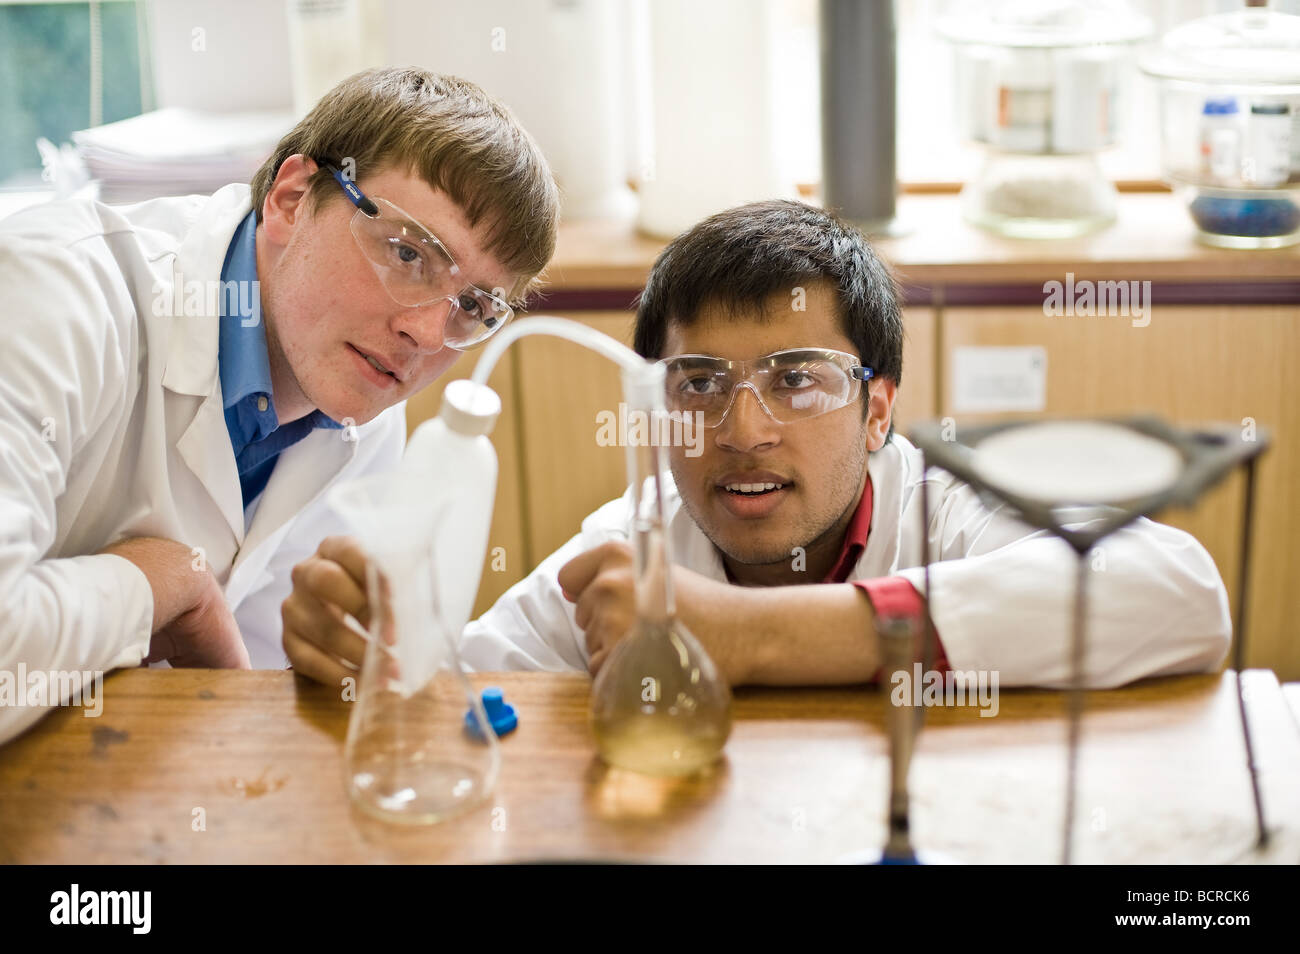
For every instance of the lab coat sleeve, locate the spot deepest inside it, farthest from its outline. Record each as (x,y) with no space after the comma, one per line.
(532,626)
(896,596)
(1004,598)
(63,375)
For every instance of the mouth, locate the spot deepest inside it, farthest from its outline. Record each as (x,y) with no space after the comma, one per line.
(374,369)
(755,496)
(754,489)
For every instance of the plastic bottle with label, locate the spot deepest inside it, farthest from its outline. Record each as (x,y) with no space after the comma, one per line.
(1085,98)
(1267,162)
(1221,141)
(1021,105)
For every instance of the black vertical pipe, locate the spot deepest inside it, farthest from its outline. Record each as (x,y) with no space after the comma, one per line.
(859,75)
(1239,651)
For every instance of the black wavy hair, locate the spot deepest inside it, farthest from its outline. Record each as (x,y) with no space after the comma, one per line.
(740,258)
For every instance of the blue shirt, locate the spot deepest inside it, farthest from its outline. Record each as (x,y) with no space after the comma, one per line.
(255,432)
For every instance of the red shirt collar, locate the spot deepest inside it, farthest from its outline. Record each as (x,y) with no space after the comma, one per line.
(855,538)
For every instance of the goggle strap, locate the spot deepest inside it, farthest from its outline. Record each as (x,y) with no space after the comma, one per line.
(355,195)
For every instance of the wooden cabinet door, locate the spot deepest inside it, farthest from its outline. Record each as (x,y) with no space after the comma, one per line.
(917,398)
(1189,364)
(563,389)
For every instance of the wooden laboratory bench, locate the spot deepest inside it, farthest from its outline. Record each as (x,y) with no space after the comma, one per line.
(1162,779)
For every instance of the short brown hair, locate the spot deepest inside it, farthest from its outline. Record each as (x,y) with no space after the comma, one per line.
(450,132)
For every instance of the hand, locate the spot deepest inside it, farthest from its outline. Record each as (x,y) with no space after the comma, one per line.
(192,626)
(205,636)
(326,587)
(602,584)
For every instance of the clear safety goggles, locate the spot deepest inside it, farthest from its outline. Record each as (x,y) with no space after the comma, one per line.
(789,385)
(415,268)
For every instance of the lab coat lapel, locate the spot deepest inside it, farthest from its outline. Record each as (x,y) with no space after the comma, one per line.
(301,474)
(193,346)
(193,341)
(205,448)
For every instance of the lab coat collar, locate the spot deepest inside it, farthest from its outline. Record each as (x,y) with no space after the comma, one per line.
(895,474)
(193,348)
(192,352)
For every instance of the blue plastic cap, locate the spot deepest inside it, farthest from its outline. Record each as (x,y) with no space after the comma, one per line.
(500,714)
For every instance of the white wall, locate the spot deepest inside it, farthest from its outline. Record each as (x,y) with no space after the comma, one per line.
(558,64)
(239,60)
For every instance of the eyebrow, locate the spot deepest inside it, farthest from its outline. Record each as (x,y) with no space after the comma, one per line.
(694,360)
(793,352)
(415,226)
(423,230)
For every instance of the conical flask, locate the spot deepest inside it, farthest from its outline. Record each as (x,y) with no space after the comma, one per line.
(659,706)
(420,747)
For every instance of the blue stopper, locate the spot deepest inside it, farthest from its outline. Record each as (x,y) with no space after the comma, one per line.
(500,713)
(1220,107)
(907,859)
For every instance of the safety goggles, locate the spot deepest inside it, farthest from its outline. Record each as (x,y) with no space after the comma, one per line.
(415,268)
(789,385)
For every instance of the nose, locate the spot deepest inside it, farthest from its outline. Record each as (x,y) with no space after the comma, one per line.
(747,425)
(424,326)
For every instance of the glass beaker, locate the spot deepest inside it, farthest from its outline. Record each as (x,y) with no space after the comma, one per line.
(1039,196)
(659,706)
(420,747)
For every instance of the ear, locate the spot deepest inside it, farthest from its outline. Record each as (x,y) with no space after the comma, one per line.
(286,202)
(880,411)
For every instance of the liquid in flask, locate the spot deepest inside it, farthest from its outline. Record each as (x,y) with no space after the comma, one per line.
(659,704)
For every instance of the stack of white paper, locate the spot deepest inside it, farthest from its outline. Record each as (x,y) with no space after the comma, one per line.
(178,151)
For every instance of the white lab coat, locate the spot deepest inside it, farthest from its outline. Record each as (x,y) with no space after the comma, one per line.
(111,425)
(1003,593)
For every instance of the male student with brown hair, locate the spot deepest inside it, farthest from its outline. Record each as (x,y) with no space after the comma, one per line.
(183,379)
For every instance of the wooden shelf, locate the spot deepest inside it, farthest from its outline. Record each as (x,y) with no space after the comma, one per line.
(1153,239)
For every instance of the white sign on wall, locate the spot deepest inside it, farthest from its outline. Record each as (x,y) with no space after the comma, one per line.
(999,379)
